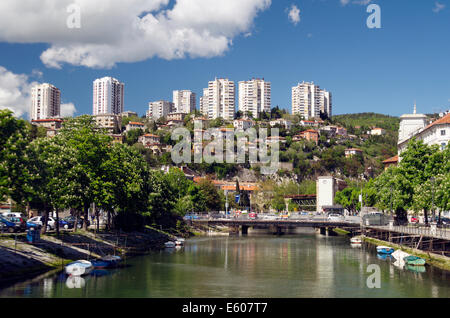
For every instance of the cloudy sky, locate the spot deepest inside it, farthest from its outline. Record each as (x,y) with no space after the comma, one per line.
(156,46)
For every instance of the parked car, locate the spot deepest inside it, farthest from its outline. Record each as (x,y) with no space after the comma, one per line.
(13,214)
(37,220)
(7,225)
(414,220)
(21,223)
(69,221)
(335,217)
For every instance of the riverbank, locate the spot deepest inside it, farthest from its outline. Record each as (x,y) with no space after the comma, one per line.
(436,260)
(20,260)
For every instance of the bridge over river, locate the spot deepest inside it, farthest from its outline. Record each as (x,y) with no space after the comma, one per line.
(278,226)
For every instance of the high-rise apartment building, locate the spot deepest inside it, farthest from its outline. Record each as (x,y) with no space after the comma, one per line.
(108,94)
(184,101)
(45,102)
(204,102)
(254,96)
(309,100)
(220,99)
(159,109)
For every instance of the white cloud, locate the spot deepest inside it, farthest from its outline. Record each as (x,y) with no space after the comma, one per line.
(438,7)
(344,2)
(15,91)
(67,110)
(294,14)
(127,31)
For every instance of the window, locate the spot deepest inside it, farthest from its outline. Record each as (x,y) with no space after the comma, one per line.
(442,132)
(443,145)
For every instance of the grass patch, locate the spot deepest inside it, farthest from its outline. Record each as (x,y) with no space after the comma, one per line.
(341,231)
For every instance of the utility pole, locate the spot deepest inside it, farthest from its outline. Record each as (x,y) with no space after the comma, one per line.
(432,200)
(226,204)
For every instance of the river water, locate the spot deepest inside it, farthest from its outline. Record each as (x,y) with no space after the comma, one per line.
(302,265)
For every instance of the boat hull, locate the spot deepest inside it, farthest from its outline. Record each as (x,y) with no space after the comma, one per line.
(385,250)
(79,268)
(414,261)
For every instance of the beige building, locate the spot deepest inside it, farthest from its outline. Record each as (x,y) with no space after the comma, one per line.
(219,99)
(254,96)
(149,139)
(134,125)
(112,123)
(45,102)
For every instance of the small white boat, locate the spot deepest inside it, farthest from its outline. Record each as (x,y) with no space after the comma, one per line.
(79,268)
(169,244)
(399,255)
(179,241)
(384,249)
(356,240)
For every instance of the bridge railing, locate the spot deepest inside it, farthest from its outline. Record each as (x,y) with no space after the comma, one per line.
(436,232)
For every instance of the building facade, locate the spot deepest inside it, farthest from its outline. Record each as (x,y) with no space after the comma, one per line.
(45,102)
(254,96)
(326,189)
(112,123)
(436,133)
(159,109)
(308,100)
(219,99)
(108,96)
(184,101)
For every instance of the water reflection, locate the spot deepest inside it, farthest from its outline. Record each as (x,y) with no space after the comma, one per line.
(75,282)
(254,266)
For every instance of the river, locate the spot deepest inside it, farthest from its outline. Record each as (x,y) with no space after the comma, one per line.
(302,265)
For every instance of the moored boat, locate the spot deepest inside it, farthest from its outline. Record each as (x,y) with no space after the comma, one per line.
(356,240)
(179,241)
(79,268)
(169,244)
(384,249)
(414,260)
(400,255)
(108,261)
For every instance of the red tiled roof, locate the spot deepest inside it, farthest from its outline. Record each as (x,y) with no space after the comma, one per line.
(440,121)
(135,123)
(46,120)
(310,130)
(391,160)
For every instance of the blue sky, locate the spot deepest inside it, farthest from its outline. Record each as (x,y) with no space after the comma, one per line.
(367,70)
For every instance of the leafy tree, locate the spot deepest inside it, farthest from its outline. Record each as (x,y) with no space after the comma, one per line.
(133,135)
(14,139)
(213,201)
